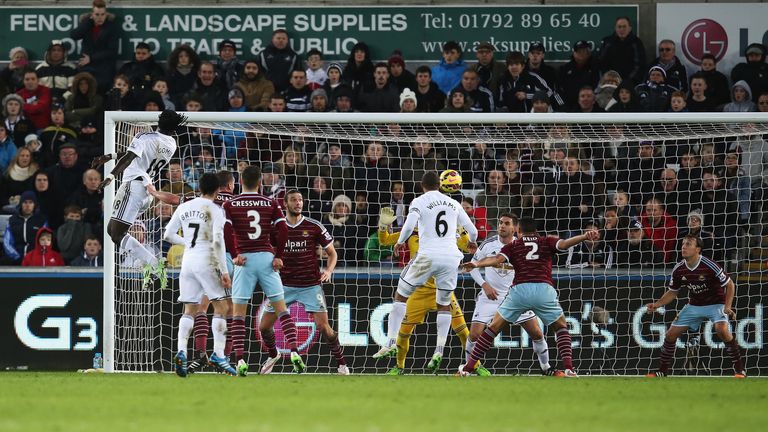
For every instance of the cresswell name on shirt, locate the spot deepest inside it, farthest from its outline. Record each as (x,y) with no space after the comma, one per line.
(250,203)
(434,204)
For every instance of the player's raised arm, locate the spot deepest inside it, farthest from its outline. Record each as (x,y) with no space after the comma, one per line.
(120,166)
(172,229)
(485,262)
(564,244)
(410,224)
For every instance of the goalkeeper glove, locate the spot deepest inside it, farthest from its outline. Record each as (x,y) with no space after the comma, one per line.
(386,217)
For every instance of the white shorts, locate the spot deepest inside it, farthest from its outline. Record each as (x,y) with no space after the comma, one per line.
(196,281)
(421,268)
(131,199)
(486,308)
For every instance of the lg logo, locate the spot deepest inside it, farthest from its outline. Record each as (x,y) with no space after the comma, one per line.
(704,36)
(87,337)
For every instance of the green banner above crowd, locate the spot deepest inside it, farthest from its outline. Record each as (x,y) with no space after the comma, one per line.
(417,31)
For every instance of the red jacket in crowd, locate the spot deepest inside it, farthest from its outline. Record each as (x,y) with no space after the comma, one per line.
(42,256)
(37,105)
(663,236)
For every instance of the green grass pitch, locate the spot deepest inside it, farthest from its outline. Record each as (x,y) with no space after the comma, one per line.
(164,402)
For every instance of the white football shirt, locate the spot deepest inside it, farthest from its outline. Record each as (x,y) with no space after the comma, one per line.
(501,277)
(154,151)
(202,224)
(439,216)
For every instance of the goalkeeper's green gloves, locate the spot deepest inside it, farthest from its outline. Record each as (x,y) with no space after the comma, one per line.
(386,217)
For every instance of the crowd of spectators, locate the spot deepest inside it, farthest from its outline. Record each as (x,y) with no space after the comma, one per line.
(644,195)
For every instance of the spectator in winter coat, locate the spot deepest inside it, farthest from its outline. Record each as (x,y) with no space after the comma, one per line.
(98,31)
(717,83)
(37,100)
(18,125)
(428,96)
(698,99)
(316,74)
(333,83)
(358,71)
(382,96)
(582,70)
(89,197)
(606,88)
(623,52)
(92,255)
(183,63)
(447,73)
(13,75)
(401,77)
(142,71)
(624,99)
(55,72)
(741,98)
(209,89)
(278,60)
(228,67)
(654,95)
(676,75)
(754,71)
(535,64)
(298,95)
(488,69)
(17,179)
(482,98)
(19,237)
(72,234)
(255,86)
(83,100)
(7,149)
(518,86)
(660,228)
(43,254)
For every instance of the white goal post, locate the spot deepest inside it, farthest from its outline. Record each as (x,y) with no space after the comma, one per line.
(604,303)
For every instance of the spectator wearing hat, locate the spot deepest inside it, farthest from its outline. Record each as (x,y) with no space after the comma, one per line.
(142,71)
(99,32)
(272,183)
(332,83)
(654,95)
(7,149)
(623,52)
(488,69)
(17,124)
(447,73)
(754,71)
(55,72)
(90,140)
(316,75)
(153,101)
(236,100)
(401,77)
(209,89)
(43,254)
(517,87)
(37,100)
(582,70)
(408,101)
(83,100)
(717,83)
(381,96)
(637,250)
(33,144)
(536,64)
(540,103)
(256,88)
(278,60)
(19,237)
(428,96)
(482,98)
(13,75)
(183,64)
(319,101)
(358,71)
(298,96)
(228,67)
(676,74)
(54,136)
(344,99)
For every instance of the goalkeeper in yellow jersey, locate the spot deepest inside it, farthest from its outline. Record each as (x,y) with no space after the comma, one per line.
(422,301)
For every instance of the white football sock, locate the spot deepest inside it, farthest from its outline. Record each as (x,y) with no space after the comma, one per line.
(219,328)
(133,247)
(443,326)
(469,348)
(542,351)
(186,324)
(395,319)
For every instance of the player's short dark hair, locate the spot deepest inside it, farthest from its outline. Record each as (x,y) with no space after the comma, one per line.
(251,176)
(224,177)
(170,120)
(511,216)
(424,69)
(430,180)
(528,225)
(209,183)
(696,239)
(291,192)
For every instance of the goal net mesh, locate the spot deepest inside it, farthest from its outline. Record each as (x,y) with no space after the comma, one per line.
(643,185)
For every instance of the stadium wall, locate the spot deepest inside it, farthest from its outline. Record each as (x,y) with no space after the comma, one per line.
(52,321)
